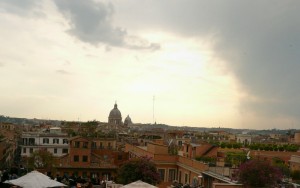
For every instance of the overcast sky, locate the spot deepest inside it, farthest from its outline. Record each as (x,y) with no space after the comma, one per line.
(208,63)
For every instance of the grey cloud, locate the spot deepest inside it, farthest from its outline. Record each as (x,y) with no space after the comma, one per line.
(260,45)
(258,40)
(91,22)
(22,8)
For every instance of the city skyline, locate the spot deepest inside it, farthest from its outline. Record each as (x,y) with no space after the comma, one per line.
(215,64)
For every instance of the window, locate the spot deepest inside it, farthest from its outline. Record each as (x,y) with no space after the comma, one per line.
(77,144)
(84,158)
(162,174)
(31,150)
(85,144)
(25,141)
(55,141)
(75,173)
(120,157)
(180,143)
(55,150)
(101,145)
(109,146)
(94,145)
(65,141)
(186,178)
(24,150)
(45,140)
(76,158)
(172,173)
(65,151)
(31,141)
(105,157)
(195,181)
(179,177)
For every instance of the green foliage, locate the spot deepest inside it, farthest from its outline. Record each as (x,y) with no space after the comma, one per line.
(296,175)
(153,137)
(223,145)
(235,158)
(93,123)
(210,160)
(41,159)
(138,169)
(173,150)
(230,145)
(274,147)
(280,164)
(237,145)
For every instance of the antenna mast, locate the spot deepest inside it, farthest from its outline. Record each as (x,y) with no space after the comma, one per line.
(153,109)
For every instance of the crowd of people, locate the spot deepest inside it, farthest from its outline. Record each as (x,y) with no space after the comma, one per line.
(71,181)
(74,181)
(7,175)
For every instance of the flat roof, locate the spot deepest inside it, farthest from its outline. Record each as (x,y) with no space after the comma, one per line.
(219,177)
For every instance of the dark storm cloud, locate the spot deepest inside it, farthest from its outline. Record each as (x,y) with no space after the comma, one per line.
(258,40)
(91,22)
(260,43)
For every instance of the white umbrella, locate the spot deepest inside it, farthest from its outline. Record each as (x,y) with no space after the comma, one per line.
(138,184)
(35,179)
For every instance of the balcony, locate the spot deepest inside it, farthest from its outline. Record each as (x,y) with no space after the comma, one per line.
(28,144)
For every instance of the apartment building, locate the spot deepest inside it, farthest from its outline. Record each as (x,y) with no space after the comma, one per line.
(170,167)
(52,140)
(96,158)
(182,168)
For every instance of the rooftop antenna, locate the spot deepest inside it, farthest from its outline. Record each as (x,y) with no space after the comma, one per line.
(153,109)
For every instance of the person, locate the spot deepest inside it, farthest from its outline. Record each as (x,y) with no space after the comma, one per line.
(58,178)
(89,184)
(5,176)
(72,181)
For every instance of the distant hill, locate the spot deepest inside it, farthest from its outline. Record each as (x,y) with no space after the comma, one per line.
(25,121)
(34,121)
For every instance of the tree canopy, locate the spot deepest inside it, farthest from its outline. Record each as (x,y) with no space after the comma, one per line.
(41,159)
(138,169)
(258,173)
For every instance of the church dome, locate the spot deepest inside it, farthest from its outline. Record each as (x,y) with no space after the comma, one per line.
(115,116)
(127,120)
(115,112)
